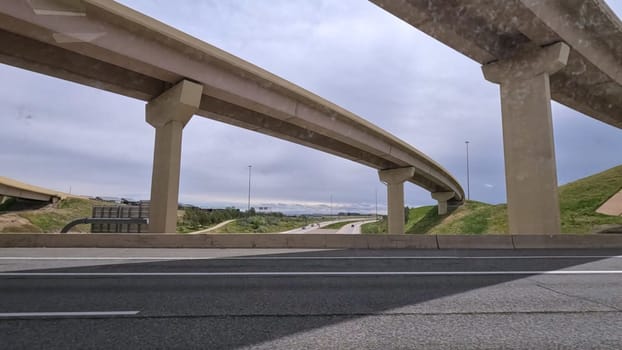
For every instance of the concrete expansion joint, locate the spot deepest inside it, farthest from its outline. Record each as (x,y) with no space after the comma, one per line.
(528,63)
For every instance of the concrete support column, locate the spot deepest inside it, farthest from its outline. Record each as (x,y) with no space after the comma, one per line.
(394,179)
(168,114)
(442,198)
(530,168)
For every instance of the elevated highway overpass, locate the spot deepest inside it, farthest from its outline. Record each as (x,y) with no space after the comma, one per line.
(103,44)
(567,50)
(16,189)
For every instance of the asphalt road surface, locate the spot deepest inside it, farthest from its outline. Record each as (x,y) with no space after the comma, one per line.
(313,228)
(354,228)
(309,299)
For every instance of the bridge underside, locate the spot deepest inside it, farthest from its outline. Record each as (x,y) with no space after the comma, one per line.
(105,45)
(52,60)
(487,31)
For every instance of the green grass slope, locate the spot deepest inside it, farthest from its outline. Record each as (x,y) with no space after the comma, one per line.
(53,217)
(266,224)
(578,203)
(471,218)
(580,199)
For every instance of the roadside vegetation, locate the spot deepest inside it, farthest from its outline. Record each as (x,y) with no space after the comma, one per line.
(196,219)
(578,203)
(377,227)
(18,217)
(267,223)
(471,218)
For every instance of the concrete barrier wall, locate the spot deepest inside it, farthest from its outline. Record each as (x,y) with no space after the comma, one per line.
(567,241)
(475,242)
(328,241)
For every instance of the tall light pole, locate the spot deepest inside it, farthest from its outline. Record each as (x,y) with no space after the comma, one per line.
(331,205)
(467,166)
(376,204)
(248,209)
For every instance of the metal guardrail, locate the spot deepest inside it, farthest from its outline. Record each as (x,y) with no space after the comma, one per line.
(126,221)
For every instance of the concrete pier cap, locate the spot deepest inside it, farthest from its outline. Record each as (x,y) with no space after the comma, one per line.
(442,198)
(178,103)
(528,64)
(168,114)
(396,175)
(394,179)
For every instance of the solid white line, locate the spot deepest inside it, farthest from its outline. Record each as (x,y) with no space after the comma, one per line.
(317,257)
(305,273)
(68,314)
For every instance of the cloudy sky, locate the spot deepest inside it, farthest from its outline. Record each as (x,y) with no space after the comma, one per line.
(66,136)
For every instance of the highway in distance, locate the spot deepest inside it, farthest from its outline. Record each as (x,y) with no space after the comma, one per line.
(309,299)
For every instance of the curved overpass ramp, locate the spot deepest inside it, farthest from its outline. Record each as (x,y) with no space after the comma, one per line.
(105,45)
(16,189)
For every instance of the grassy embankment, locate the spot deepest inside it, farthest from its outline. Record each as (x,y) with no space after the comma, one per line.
(378,227)
(42,218)
(578,203)
(336,225)
(267,224)
(53,217)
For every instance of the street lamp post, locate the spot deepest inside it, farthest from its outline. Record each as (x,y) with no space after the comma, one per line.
(467,169)
(376,204)
(248,209)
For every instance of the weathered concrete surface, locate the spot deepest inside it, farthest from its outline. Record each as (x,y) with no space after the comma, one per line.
(319,241)
(168,114)
(613,206)
(567,241)
(530,167)
(394,179)
(474,242)
(402,241)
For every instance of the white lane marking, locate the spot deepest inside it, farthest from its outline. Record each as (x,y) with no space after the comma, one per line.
(66,314)
(306,273)
(315,257)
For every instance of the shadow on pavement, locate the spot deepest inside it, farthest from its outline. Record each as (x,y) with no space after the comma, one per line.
(228,312)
